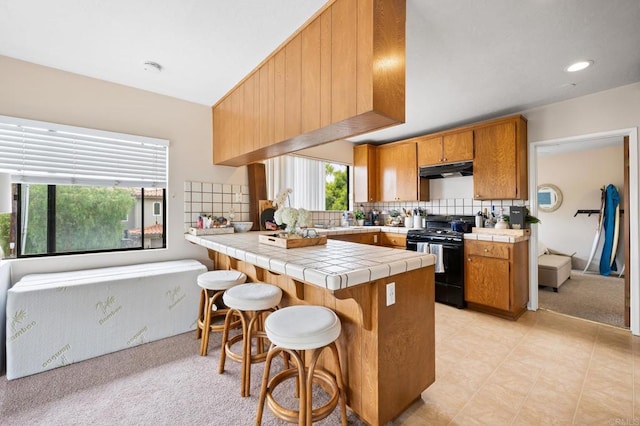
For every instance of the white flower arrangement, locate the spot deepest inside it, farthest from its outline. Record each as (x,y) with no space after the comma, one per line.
(279,201)
(289,216)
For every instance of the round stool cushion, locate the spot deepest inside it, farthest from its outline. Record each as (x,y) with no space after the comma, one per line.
(252,297)
(302,327)
(221,280)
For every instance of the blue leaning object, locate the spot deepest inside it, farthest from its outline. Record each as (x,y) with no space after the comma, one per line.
(612,199)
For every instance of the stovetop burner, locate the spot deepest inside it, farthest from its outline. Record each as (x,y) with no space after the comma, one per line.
(438,226)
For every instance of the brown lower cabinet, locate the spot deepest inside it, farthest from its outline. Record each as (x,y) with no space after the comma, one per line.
(497,277)
(391,239)
(386,239)
(372,238)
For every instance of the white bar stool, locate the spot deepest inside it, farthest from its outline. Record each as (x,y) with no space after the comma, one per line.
(251,303)
(293,330)
(213,284)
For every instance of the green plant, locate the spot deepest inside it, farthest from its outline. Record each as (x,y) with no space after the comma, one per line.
(359,215)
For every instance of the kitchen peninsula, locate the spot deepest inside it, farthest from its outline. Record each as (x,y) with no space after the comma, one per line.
(387,352)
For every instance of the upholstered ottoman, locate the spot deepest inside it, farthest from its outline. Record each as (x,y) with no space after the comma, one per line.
(553,270)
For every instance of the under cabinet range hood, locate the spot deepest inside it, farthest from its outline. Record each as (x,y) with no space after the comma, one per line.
(446,170)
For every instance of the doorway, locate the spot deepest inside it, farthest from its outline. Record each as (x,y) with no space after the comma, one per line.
(537,151)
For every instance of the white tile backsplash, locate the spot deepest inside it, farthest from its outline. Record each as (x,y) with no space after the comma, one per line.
(214,199)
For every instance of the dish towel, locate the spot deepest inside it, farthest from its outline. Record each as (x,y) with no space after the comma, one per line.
(422,247)
(437,250)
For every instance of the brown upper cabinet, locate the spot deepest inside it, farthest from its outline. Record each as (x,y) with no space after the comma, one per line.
(340,75)
(498,149)
(398,172)
(500,169)
(450,148)
(365,174)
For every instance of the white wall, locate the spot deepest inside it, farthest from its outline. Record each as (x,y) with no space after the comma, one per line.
(617,108)
(41,93)
(579,175)
(607,113)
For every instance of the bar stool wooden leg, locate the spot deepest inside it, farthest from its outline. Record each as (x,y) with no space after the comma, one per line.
(213,285)
(204,343)
(252,303)
(231,313)
(208,314)
(339,394)
(296,330)
(298,371)
(263,388)
(201,313)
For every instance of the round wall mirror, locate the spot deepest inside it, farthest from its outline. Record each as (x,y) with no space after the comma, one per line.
(549,197)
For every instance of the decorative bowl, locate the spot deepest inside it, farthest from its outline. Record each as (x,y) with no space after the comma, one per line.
(242,226)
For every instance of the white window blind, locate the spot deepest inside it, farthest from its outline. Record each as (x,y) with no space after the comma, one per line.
(47,153)
(306,177)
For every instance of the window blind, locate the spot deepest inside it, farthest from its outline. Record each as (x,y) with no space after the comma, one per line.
(47,153)
(305,176)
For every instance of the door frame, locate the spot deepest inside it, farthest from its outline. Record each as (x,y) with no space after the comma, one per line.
(634,207)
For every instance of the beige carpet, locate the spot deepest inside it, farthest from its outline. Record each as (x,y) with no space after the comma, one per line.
(160,383)
(589,296)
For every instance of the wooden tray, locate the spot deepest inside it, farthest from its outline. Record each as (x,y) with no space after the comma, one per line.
(211,231)
(274,240)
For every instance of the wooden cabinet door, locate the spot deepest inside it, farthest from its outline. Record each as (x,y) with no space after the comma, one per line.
(370,238)
(398,172)
(495,166)
(487,282)
(267,105)
(311,77)
(429,151)
(293,87)
(250,116)
(390,239)
(407,172)
(450,148)
(457,147)
(279,66)
(387,179)
(236,137)
(365,176)
(344,37)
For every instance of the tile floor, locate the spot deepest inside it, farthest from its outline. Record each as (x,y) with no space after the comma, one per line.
(544,369)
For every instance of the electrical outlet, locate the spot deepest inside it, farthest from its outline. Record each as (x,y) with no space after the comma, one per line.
(391,294)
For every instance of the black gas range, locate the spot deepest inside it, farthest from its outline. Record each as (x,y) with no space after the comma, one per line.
(443,236)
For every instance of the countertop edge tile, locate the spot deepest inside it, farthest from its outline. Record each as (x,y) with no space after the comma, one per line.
(245,246)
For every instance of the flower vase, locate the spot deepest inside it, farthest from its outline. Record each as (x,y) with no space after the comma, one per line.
(290,229)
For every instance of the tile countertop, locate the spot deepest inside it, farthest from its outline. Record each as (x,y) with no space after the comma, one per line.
(336,265)
(498,235)
(362,230)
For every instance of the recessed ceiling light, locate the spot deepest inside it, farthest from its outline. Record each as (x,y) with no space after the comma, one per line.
(578,66)
(152,67)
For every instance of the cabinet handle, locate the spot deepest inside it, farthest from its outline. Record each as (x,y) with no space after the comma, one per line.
(486,250)
(468,259)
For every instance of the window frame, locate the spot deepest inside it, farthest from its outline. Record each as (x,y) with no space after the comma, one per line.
(51,220)
(59,155)
(274,173)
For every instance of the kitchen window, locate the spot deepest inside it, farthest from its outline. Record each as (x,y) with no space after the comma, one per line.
(316,184)
(73,186)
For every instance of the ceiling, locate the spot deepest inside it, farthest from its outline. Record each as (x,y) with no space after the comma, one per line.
(467,60)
